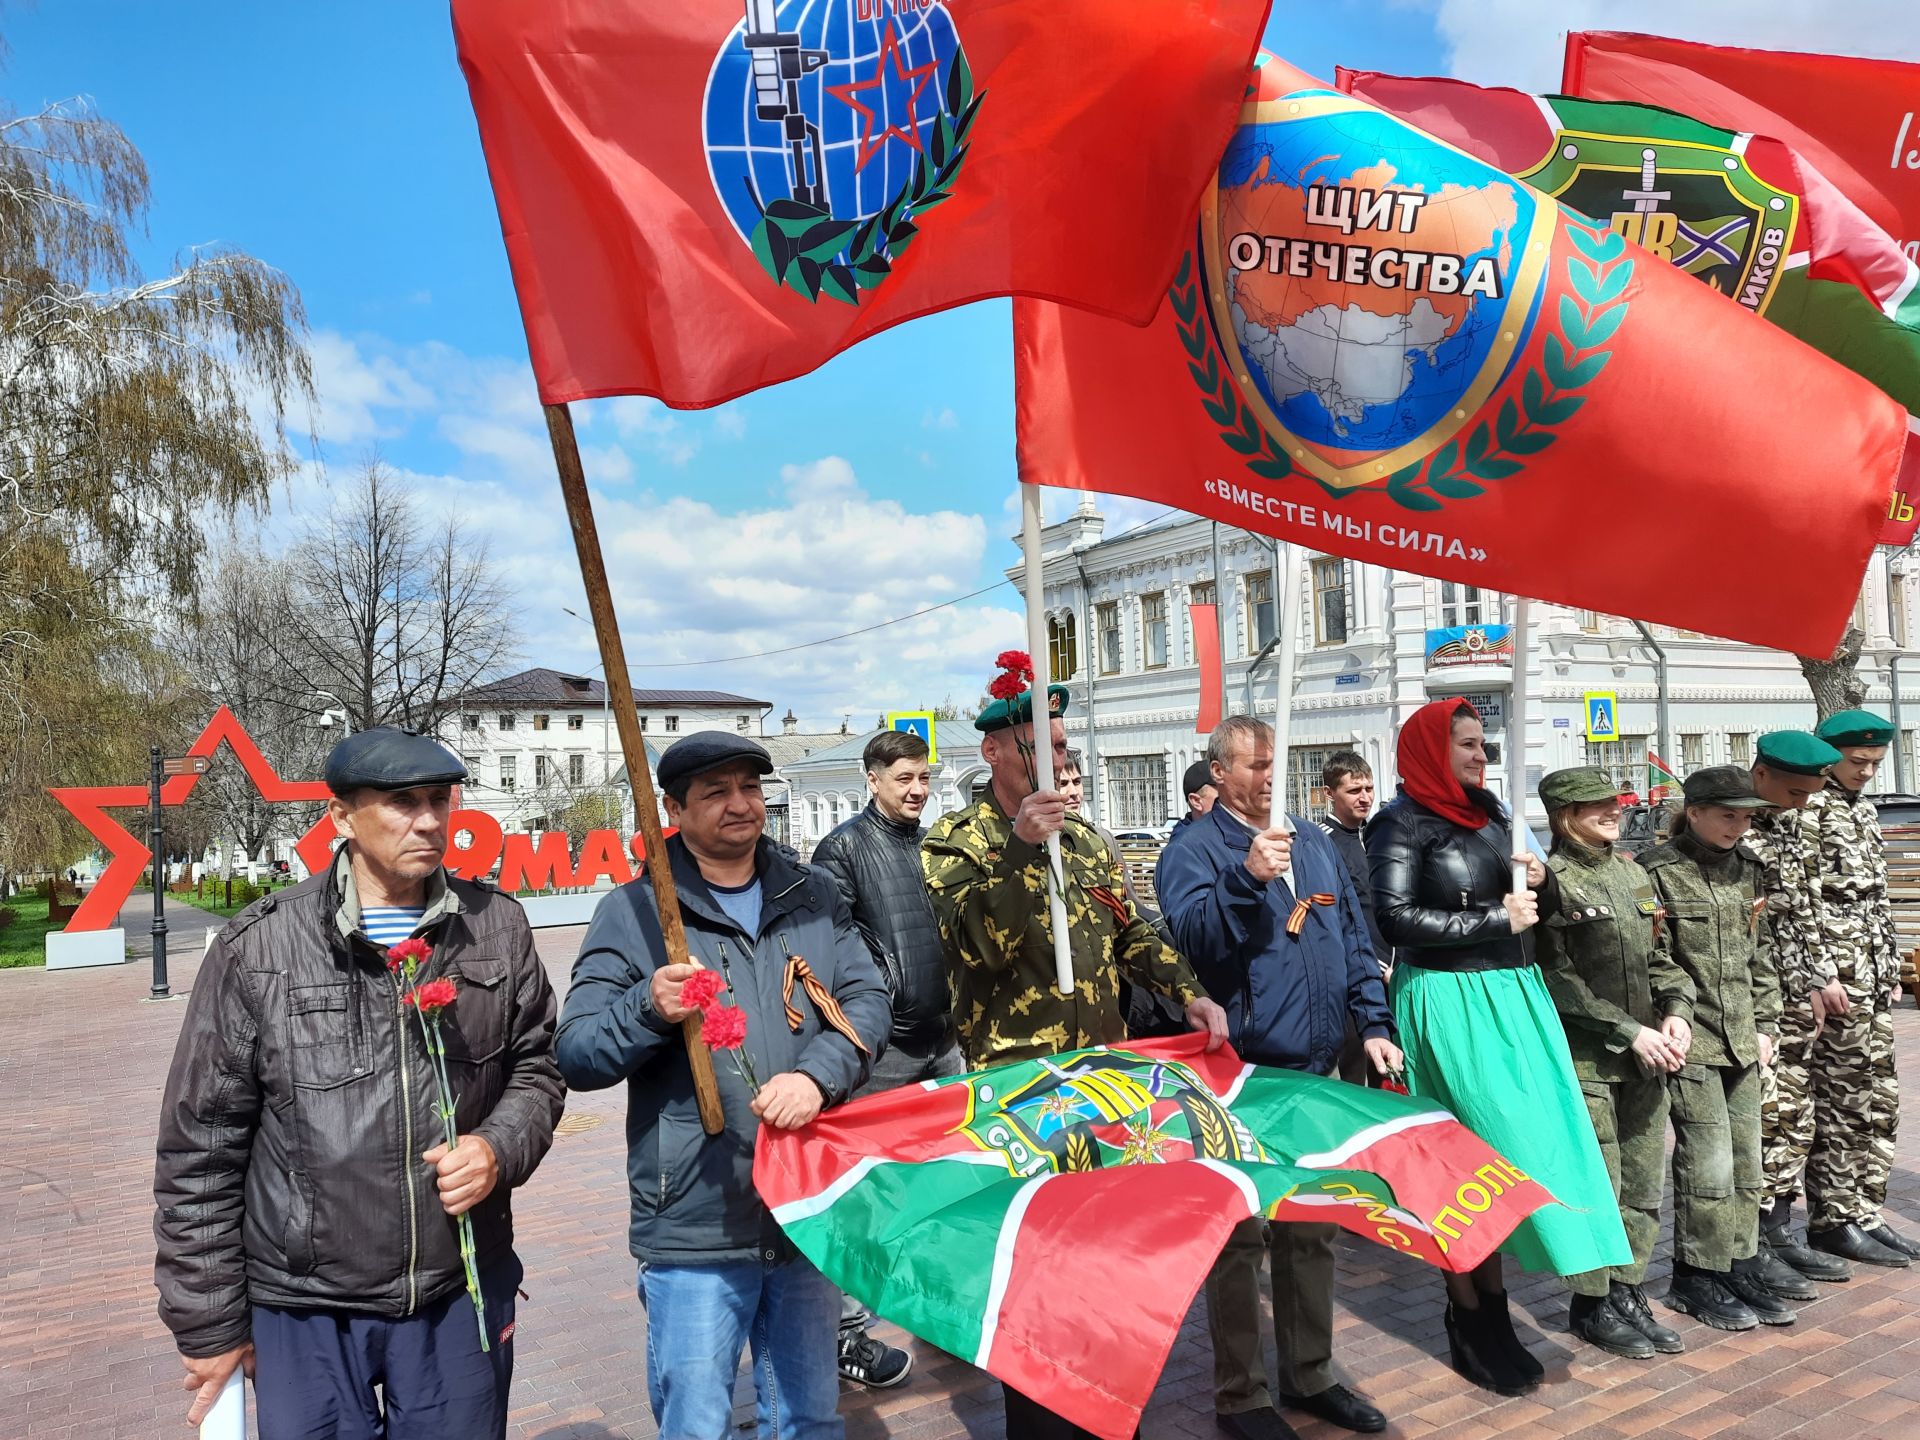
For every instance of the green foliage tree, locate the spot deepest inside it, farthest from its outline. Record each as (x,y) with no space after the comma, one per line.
(132,410)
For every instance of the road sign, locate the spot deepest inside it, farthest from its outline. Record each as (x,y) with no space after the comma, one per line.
(186,765)
(1603,707)
(917,722)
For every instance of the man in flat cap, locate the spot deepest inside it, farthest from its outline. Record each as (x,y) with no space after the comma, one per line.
(1856,1097)
(717,1274)
(1790,768)
(987,875)
(306,1204)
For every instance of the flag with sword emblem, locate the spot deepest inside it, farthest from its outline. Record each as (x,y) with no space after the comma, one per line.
(1051,1221)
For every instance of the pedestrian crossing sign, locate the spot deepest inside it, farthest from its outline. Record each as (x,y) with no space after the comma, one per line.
(917,722)
(1602,708)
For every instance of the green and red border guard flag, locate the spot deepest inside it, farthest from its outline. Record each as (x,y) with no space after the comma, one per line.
(1387,349)
(1743,213)
(1051,1221)
(703,197)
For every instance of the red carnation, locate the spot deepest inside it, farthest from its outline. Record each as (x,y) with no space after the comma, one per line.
(1006,687)
(1017,661)
(431,997)
(724,1027)
(701,989)
(412,949)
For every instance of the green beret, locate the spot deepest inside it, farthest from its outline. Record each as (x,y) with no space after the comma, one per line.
(1582,785)
(1855,727)
(1727,785)
(1795,752)
(1004,714)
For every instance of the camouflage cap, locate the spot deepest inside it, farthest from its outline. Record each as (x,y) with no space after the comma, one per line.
(1728,785)
(1580,785)
(1795,752)
(1855,727)
(1004,714)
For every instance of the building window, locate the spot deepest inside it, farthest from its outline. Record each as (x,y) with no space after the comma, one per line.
(542,771)
(1590,621)
(1329,601)
(745,721)
(1305,794)
(1693,754)
(506,722)
(576,769)
(1063,650)
(540,722)
(1624,760)
(643,724)
(1153,629)
(472,762)
(1107,616)
(816,816)
(1203,592)
(1137,786)
(576,722)
(509,771)
(469,722)
(1739,747)
(673,723)
(1259,611)
(1461,604)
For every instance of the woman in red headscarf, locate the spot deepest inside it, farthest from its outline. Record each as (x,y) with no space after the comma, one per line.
(1479,1031)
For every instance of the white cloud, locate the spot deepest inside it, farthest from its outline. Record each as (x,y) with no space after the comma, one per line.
(730,422)
(353,386)
(944,420)
(1520,42)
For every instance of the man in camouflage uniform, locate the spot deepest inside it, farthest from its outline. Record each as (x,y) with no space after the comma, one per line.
(1856,1097)
(1790,769)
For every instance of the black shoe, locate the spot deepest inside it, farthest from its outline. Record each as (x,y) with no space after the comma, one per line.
(1262,1424)
(1886,1235)
(1594,1320)
(1701,1294)
(1853,1243)
(1631,1302)
(1814,1264)
(870,1362)
(1500,1318)
(1476,1353)
(1778,1276)
(1748,1287)
(1339,1406)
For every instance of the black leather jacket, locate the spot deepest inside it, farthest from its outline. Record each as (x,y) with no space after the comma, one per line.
(1438,887)
(301,1098)
(875,862)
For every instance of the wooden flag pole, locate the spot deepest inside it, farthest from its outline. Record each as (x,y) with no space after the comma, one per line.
(1042,717)
(613,665)
(1517,734)
(1287,603)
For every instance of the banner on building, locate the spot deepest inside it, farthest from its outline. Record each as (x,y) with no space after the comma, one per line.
(1469,645)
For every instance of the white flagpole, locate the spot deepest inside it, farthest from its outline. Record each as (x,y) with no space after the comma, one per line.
(1517,733)
(1042,723)
(1287,595)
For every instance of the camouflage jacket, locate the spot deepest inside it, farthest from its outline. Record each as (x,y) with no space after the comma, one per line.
(1716,908)
(1856,912)
(1604,954)
(1779,840)
(989,893)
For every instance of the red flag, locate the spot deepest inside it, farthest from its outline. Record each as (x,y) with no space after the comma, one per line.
(1388,350)
(1206,652)
(1740,212)
(697,205)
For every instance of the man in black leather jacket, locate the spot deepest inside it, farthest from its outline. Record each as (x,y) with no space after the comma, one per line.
(874,858)
(306,1208)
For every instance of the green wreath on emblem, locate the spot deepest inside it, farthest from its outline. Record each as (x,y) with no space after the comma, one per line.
(804,247)
(1550,396)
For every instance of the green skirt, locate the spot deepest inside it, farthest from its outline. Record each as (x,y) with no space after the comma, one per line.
(1488,1045)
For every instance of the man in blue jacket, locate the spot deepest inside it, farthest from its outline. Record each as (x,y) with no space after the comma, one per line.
(716,1272)
(1290,964)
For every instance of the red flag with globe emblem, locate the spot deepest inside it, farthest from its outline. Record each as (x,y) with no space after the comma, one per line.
(703,197)
(1386,349)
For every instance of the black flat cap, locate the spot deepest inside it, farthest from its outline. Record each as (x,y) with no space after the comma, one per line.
(1199,775)
(389,758)
(709,750)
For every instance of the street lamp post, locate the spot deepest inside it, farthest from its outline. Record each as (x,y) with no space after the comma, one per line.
(160,991)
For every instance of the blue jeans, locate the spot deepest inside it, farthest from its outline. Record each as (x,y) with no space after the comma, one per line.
(699,1316)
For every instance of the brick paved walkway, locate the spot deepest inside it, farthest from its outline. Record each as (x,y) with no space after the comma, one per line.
(84,1355)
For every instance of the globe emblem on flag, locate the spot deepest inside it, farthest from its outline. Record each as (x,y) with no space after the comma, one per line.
(1368,288)
(831,127)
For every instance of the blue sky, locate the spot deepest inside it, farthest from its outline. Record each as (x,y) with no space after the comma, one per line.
(336,142)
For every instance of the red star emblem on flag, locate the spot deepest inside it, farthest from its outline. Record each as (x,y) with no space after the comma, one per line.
(849,95)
